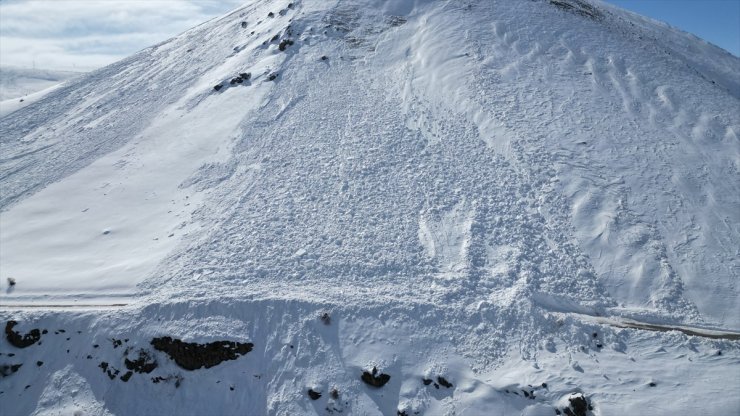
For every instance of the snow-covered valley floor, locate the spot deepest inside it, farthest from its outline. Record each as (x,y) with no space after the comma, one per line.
(504,207)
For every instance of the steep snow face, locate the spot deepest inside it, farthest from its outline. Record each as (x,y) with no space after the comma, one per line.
(463,185)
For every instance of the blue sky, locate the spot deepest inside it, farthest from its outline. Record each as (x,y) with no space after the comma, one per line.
(87,34)
(716,21)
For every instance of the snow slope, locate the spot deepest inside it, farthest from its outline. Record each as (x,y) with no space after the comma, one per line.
(475,190)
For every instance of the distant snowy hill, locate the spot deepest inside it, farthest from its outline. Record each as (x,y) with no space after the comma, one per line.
(380,207)
(20,87)
(17,82)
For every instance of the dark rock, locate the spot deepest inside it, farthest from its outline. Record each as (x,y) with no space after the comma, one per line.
(274,38)
(112,372)
(273,76)
(314,395)
(595,335)
(96,346)
(44,332)
(244,24)
(401,413)
(291,5)
(8,369)
(652,384)
(544,385)
(426,381)
(271,14)
(557,412)
(443,382)
(334,393)
(374,379)
(231,388)
(11,281)
(218,87)
(284,44)
(21,341)
(324,58)
(144,364)
(245,76)
(325,318)
(578,406)
(192,356)
(599,345)
(127,376)
(39,363)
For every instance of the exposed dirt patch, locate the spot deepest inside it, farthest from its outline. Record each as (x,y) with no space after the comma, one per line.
(192,356)
(21,341)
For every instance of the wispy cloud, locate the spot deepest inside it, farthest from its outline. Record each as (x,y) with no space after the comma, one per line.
(86,34)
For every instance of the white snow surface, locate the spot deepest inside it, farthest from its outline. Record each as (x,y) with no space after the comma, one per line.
(471,189)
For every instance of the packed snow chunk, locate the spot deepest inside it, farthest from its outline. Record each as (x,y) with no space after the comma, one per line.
(69,393)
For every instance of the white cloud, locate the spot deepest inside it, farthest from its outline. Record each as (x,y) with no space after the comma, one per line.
(86,34)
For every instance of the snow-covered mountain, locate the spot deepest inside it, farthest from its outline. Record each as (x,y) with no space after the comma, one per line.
(380,207)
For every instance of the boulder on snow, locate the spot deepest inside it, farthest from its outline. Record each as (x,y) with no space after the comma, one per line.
(21,341)
(192,356)
(374,379)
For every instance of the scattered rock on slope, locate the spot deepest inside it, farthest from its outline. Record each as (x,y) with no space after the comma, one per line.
(192,356)
(579,406)
(8,369)
(144,364)
(374,379)
(21,341)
